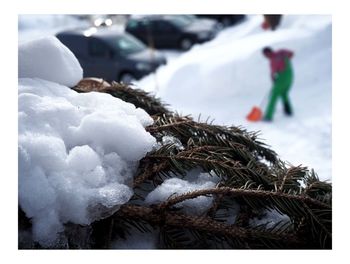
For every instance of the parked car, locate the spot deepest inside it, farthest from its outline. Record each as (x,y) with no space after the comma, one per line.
(170,31)
(225,20)
(110,54)
(207,22)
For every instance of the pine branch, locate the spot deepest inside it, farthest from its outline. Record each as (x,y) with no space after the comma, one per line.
(251,178)
(185,128)
(205,224)
(149,172)
(291,178)
(139,98)
(266,195)
(218,161)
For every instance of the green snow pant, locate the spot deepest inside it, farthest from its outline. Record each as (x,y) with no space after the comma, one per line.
(280,89)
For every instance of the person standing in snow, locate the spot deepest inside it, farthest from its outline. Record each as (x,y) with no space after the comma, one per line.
(282,77)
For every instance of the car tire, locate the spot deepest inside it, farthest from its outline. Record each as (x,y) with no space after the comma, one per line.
(126,78)
(186,44)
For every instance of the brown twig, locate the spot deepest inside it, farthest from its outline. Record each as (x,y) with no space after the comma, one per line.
(240,192)
(162,127)
(149,172)
(200,223)
(229,164)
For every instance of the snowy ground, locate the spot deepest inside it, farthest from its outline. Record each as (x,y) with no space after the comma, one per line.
(224,78)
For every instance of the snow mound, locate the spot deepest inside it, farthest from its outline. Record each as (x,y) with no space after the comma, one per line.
(48,59)
(225,77)
(194,180)
(77,155)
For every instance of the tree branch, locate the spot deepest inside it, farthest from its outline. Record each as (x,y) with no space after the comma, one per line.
(241,192)
(154,216)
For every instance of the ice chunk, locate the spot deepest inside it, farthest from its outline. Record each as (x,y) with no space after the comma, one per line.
(47,58)
(172,140)
(114,194)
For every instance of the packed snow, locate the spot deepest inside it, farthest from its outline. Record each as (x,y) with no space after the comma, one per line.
(224,78)
(36,61)
(77,152)
(193,180)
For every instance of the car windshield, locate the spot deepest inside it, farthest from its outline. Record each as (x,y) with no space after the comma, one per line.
(189,18)
(180,21)
(126,44)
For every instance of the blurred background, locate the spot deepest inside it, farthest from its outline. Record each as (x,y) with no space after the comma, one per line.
(211,66)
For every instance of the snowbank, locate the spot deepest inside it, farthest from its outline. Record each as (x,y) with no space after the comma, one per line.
(48,59)
(77,152)
(230,69)
(226,77)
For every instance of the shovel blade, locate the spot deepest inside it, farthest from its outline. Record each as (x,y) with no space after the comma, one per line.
(255,114)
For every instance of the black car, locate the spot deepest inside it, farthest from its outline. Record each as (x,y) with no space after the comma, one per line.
(170,31)
(110,54)
(225,20)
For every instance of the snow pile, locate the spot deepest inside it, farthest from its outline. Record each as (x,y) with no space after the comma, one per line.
(227,76)
(48,59)
(219,72)
(194,180)
(77,152)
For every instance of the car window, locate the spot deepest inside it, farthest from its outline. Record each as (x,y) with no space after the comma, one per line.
(188,18)
(179,21)
(133,24)
(126,44)
(137,25)
(75,43)
(97,48)
(162,27)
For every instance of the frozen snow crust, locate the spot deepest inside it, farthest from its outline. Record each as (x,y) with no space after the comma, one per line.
(48,59)
(77,152)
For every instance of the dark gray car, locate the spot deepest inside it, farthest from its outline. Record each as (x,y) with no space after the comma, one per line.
(171,31)
(110,54)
